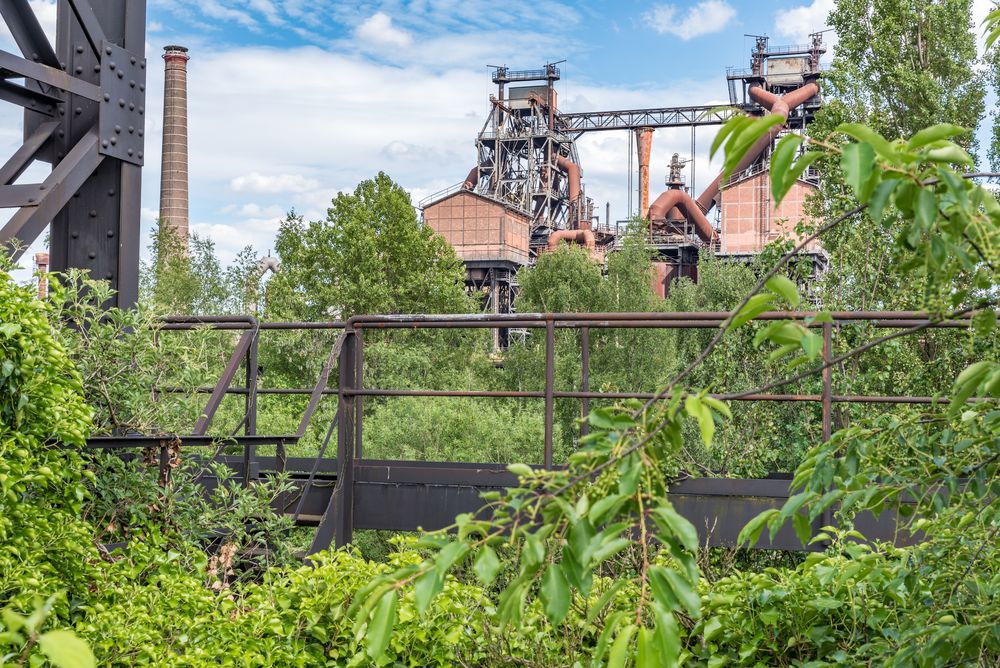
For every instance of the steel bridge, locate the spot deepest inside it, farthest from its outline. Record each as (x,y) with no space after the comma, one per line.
(347,491)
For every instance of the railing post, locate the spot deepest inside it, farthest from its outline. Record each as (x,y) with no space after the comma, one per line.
(250,411)
(359,382)
(585,379)
(827,381)
(550,350)
(346,432)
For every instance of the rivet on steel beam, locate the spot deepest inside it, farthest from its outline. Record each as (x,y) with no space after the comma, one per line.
(130,151)
(61,133)
(104,144)
(114,140)
(111,192)
(142,65)
(97,68)
(121,102)
(62,65)
(34,56)
(31,200)
(118,129)
(131,83)
(131,129)
(91,255)
(140,155)
(93,213)
(107,50)
(141,111)
(121,75)
(131,106)
(78,111)
(111,233)
(79,48)
(75,235)
(79,69)
(41,186)
(107,97)
(62,111)
(132,60)
(108,276)
(141,131)
(142,87)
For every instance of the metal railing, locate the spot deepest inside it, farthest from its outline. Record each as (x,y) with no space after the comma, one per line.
(417,484)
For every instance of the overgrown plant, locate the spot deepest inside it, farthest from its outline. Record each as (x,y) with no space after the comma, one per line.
(562,525)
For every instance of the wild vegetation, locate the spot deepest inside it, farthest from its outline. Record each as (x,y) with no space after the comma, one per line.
(586,565)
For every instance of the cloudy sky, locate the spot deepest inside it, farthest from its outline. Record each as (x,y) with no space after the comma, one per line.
(292,101)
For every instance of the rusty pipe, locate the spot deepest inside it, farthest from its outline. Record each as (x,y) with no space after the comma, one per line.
(583,237)
(644,145)
(572,174)
(472,180)
(782,106)
(669,199)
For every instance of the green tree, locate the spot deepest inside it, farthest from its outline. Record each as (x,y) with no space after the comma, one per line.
(370,255)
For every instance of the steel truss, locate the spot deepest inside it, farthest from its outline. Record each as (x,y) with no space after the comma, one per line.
(84,113)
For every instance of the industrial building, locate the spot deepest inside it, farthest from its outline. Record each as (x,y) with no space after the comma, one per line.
(525,193)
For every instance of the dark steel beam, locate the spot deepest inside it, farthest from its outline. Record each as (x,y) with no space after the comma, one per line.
(30,98)
(84,13)
(57,189)
(23,194)
(50,76)
(27,32)
(23,156)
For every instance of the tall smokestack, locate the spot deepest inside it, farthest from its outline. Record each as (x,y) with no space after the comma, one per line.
(42,267)
(174,166)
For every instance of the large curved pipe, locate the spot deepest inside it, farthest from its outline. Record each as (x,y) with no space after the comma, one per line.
(678,198)
(472,180)
(572,174)
(583,237)
(777,105)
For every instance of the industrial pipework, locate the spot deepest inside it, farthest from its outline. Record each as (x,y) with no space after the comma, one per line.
(583,237)
(777,105)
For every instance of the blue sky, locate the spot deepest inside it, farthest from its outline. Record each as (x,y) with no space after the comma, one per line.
(292,101)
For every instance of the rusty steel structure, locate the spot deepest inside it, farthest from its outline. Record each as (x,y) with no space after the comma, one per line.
(347,491)
(84,113)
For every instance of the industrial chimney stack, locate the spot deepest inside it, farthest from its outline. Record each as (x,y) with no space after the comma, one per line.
(174,167)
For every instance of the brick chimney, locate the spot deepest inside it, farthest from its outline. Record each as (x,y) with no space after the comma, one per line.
(174,166)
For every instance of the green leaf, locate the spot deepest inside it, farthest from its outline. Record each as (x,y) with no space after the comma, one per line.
(425,588)
(753,308)
(718,406)
(450,555)
(677,525)
(620,648)
(803,527)
(927,209)
(609,549)
(857,161)
(750,534)
(380,627)
(863,133)
(812,345)
(667,636)
(697,410)
(520,470)
(806,159)
(734,125)
(880,198)
(533,551)
(785,288)
(953,154)
(684,592)
(645,656)
(739,143)
(65,650)
(781,160)
(933,134)
(487,565)
(555,594)
(938,252)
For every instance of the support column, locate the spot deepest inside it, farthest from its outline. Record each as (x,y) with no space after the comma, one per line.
(644,145)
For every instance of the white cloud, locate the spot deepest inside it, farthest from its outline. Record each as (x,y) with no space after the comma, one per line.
(706,17)
(378,30)
(255,182)
(797,23)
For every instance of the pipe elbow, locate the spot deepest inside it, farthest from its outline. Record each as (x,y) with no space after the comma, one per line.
(583,237)
(572,175)
(472,179)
